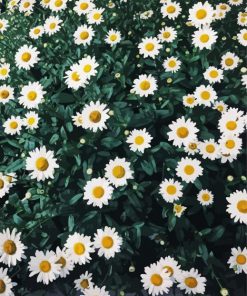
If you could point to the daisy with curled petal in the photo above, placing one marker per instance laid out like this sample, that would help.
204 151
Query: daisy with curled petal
182 131
170 265
242 37
170 190
172 64
213 75
4 71
11 179
168 34
11 247
65 261
4 185
13 125
204 38
57 5
95 16
74 77
108 242
201 14
84 282
95 290
6 285
178 210
189 169
79 247
41 163
6 93
230 144
238 260
52 25
205 95
31 95
44 265
189 101
229 61
145 85
209 149
83 35
205 197
36 32
3 25
149 47
139 140
113 37
192 147
171 9
118 171
192 282
237 206
77 119
83 6
156 280
95 115
98 192
26 57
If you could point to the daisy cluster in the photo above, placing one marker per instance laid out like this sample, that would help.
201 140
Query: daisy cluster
115 116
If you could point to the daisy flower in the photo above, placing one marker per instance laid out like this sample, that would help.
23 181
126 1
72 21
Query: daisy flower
172 64
189 169
108 242
83 6
118 171
156 280
149 47
201 14
4 71
139 140
230 144
192 282
168 34
74 77
242 19
238 260
3 25
220 106
209 149
145 85
88 66
205 95
182 131
31 95
65 261
44 265
26 57
77 119
213 75
178 210
41 163
84 282
192 147
223 7
4 185
36 32
6 285
113 37
205 197
96 291
171 9
235 2
79 248
83 35
232 122
45 3
170 265
189 101
229 61
52 25
204 38
11 247
26 6
6 93
12 5
98 192
57 5
170 190
13 125
95 16
242 37
95 115
237 206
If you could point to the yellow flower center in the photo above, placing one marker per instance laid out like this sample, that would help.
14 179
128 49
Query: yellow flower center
26 56
84 35
3 71
223 7
139 140
36 31
118 171
178 208
13 124
79 248
52 26
58 3
4 94
75 76
210 148
220 108
166 34
156 279
241 259
31 120
171 9
245 36
113 37
61 261
97 16
171 189
231 125
205 197
191 282
26 4
213 74
201 14
95 116
45 266
107 242
192 146
172 64
149 46
189 169
32 95
1 25
169 269
182 132
87 68
84 284
204 38
84 6
1 183
205 95
190 100
242 206
229 61
2 286
145 85
9 247
98 192
230 144
42 164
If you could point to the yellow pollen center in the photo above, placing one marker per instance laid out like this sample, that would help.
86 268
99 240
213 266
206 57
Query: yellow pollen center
84 284
190 100
220 108
98 192
205 95
241 259
26 4
9 247
95 116
1 25
42 164
4 94
1 183
61 261
192 146
31 120
204 38
156 279
4 71
231 125
171 9
189 169
84 6
171 189
206 197
107 242
113 37
52 26
242 206
26 56
79 248
213 74
229 61
32 95
169 269
172 64
75 76
87 68
145 85
97 16
118 171
36 31
14 125
201 14
245 36
182 132
166 34
139 140
58 3
230 144
191 282
149 46
2 286
210 148
45 266
84 35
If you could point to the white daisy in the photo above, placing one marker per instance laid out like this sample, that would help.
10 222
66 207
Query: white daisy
170 265
168 34
36 32
170 190
189 169
118 171
45 3
139 140
242 37
172 64
231 122
95 115
26 6
12 5
108 242
77 119
6 93
95 16
83 35
242 19
52 25
205 197
31 95
6 285
84 282
238 260
230 144
83 6
11 178
4 185
235 2
182 131
229 61
26 57
45 266
88 66
3 25
223 7
213 75
4 71
11 247
74 77
209 149
65 261
237 206
227 157
96 291
201 14
220 106
79 248
145 85
113 37
171 9
98 192
205 95
192 147
192 282
149 47
41 163
204 38
178 210
57 5
189 101
13 125
31 120
156 280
